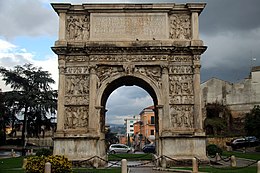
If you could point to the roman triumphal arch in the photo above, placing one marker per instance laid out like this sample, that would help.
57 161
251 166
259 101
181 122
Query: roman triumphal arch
104 46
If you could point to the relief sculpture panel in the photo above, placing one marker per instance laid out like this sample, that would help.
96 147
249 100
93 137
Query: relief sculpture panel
104 72
182 116
153 72
181 89
77 27
77 89
76 117
180 26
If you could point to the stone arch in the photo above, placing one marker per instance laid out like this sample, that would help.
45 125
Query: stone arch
115 82
154 46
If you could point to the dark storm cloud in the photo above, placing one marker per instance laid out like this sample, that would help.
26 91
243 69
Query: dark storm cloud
222 16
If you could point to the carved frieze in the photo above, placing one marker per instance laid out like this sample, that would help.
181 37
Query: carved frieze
77 27
77 70
180 58
76 58
77 85
180 26
127 58
180 70
76 117
182 116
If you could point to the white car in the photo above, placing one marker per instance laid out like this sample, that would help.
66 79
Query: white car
119 148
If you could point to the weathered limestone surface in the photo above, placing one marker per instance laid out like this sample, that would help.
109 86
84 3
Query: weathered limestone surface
104 46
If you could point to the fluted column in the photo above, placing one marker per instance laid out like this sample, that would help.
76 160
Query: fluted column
197 103
61 94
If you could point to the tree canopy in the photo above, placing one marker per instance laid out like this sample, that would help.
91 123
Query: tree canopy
32 95
252 122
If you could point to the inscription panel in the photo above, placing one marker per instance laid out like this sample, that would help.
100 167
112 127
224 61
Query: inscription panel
123 26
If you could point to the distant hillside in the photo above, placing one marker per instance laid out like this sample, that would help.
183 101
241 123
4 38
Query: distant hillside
117 128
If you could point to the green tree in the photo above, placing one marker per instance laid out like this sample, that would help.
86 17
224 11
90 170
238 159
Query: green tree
252 122
110 138
4 118
218 119
35 97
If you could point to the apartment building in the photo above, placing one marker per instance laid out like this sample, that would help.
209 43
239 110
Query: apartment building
129 124
147 119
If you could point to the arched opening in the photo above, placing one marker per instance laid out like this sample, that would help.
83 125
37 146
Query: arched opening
137 138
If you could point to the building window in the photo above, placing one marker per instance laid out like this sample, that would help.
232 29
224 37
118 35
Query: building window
131 130
131 126
152 119
131 121
152 132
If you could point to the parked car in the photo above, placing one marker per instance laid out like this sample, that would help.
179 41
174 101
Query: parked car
119 148
149 148
249 141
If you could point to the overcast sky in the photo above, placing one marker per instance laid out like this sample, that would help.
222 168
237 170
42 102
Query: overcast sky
230 29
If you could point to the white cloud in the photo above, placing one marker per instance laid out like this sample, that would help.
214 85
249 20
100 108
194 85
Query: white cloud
117 119
11 55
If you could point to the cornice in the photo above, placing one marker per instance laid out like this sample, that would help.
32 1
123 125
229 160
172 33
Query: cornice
61 7
196 7
130 7
87 50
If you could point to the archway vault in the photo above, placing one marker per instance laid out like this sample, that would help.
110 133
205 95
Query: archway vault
107 88
154 46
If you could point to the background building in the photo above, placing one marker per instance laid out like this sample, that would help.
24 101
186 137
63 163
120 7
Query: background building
129 124
147 119
239 97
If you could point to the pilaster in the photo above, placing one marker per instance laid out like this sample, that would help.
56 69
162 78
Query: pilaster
61 94
165 98
195 25
62 26
94 116
197 103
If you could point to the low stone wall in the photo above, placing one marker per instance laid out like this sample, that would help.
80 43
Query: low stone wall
219 141
41 142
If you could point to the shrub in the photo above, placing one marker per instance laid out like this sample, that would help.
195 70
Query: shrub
59 164
44 152
212 149
257 149
35 164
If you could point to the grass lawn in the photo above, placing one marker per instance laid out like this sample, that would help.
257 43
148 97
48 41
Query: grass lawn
252 169
11 165
253 156
117 157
